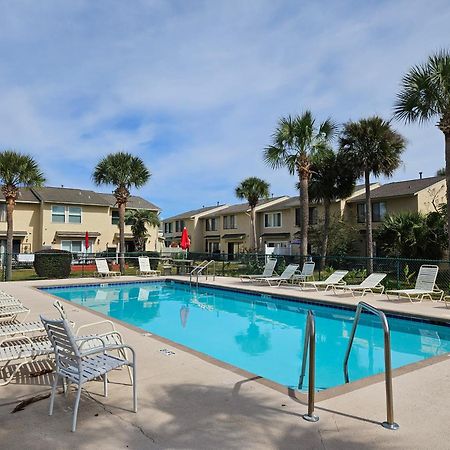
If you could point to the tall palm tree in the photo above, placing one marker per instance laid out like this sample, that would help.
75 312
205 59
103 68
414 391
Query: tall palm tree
295 140
253 189
424 96
331 179
16 170
371 146
140 219
124 171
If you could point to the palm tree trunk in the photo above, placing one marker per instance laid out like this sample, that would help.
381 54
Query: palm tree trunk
326 230
253 226
10 203
121 207
368 223
447 179
304 212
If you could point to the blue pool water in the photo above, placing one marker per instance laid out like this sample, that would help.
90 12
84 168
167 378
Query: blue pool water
261 334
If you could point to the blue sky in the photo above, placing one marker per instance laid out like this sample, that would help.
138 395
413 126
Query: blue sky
196 87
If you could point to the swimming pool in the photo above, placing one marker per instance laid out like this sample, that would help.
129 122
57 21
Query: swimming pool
258 333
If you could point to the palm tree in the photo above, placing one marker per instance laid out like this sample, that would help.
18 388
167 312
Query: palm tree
295 140
124 171
371 146
16 170
331 179
140 219
253 189
425 95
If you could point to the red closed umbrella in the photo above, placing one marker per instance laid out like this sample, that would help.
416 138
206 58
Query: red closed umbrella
86 241
185 241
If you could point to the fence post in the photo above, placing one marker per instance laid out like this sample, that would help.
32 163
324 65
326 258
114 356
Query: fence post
398 273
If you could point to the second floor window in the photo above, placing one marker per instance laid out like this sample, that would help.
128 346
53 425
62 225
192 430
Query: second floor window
66 214
229 222
272 220
168 227
313 217
211 224
378 212
3 212
179 225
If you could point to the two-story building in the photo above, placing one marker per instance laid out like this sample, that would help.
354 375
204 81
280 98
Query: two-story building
50 217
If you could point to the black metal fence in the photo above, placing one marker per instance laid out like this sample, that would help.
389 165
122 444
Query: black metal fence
401 272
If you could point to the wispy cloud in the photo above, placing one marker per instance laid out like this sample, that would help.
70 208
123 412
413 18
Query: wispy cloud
196 87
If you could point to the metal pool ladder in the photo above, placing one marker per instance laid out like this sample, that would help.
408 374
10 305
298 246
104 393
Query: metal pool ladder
389 423
204 265
310 341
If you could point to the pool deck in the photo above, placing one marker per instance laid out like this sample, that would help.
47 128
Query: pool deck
187 402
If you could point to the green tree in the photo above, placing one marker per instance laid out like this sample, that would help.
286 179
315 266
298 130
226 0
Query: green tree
16 170
440 172
123 171
425 96
413 235
253 189
331 179
295 140
371 147
140 220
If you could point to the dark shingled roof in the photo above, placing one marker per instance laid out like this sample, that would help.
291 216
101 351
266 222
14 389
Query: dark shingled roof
134 202
25 195
68 195
238 208
193 212
399 189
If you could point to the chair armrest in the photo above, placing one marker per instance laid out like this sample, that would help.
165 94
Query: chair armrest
109 347
85 339
81 327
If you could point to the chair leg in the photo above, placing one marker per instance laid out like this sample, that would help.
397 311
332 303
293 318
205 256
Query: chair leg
52 397
105 385
75 408
134 388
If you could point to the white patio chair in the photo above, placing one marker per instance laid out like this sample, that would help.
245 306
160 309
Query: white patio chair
285 277
77 365
145 269
307 272
103 269
12 311
425 286
20 328
371 284
336 278
267 272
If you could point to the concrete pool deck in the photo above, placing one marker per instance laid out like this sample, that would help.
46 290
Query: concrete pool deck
187 402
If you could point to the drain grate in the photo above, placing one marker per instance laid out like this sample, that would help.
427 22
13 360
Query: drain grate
167 352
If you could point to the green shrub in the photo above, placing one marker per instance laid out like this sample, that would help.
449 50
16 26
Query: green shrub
52 263
153 262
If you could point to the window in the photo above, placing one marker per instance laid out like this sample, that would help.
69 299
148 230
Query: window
115 217
212 247
272 220
378 212
3 212
179 225
229 222
211 224
66 214
313 215
168 227
72 246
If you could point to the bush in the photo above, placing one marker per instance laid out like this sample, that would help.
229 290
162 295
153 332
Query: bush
153 262
52 263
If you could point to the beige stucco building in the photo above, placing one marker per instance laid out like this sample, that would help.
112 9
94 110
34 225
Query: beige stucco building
59 218
226 228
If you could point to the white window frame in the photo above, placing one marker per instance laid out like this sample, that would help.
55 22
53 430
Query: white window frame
67 213
71 241
229 222
270 223
2 212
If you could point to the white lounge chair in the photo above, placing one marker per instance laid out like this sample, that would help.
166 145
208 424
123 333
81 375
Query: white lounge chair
77 365
371 284
20 328
10 312
425 286
335 279
9 301
307 272
103 269
267 272
145 269
285 277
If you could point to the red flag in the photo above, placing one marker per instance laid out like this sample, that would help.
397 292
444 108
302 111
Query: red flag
185 241
86 241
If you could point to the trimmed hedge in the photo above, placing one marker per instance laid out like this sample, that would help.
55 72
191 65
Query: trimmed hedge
52 263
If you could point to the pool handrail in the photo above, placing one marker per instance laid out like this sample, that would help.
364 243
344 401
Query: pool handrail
390 424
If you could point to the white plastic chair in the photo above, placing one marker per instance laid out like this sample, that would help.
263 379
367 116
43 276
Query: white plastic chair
267 272
336 278
145 268
76 365
371 284
307 272
103 269
286 276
